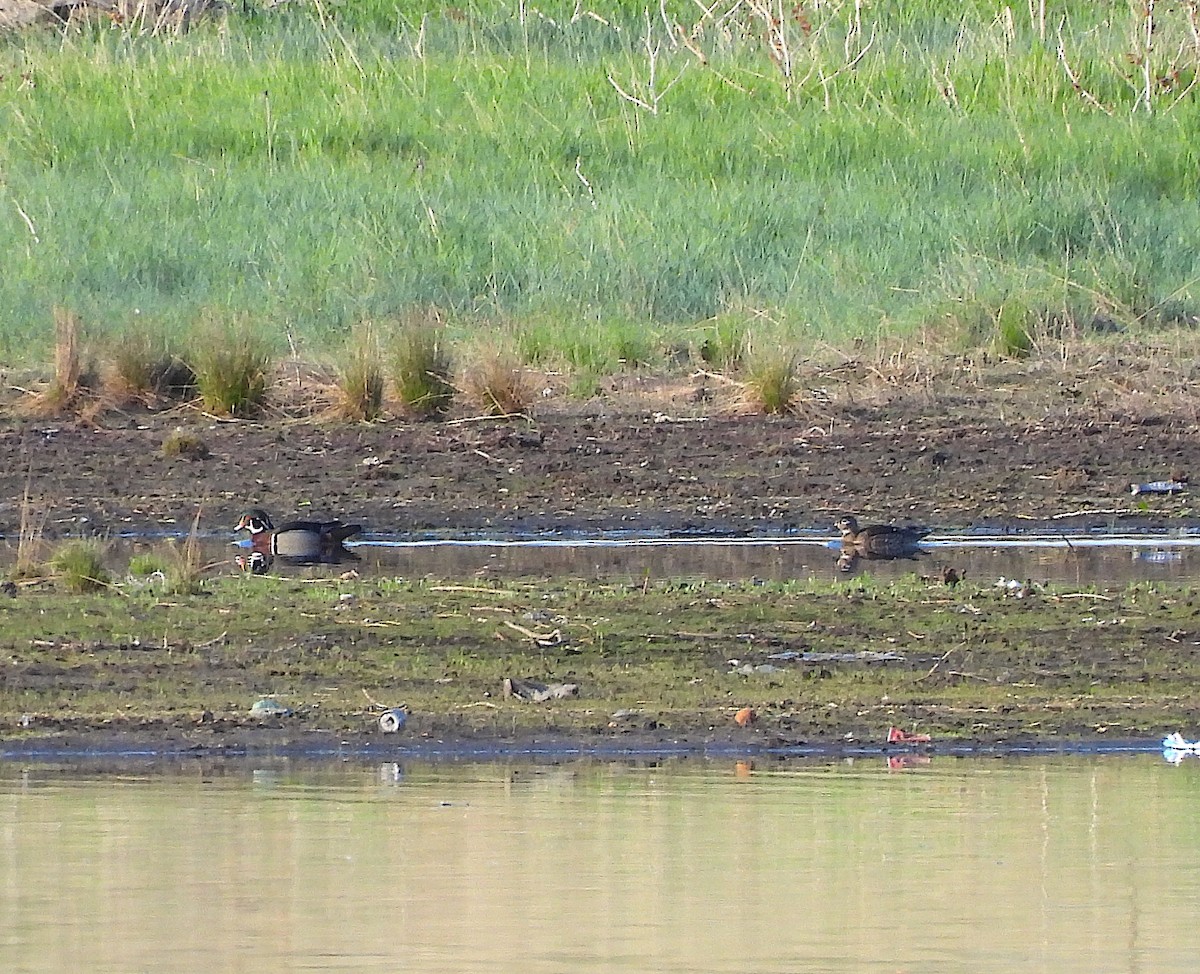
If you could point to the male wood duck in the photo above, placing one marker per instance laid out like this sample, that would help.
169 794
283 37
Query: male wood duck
878 540
300 540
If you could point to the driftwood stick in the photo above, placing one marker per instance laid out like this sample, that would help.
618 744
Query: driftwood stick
933 669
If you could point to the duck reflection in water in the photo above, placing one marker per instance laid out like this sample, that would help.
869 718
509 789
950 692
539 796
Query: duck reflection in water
258 563
875 542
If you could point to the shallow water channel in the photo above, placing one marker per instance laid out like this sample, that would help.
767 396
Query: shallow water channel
1080 560
1073 557
1049 864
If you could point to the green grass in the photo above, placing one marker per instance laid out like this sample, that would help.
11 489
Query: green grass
772 383
361 378
315 166
232 363
78 566
421 366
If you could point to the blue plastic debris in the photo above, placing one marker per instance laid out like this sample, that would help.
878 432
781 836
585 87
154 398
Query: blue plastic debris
1159 487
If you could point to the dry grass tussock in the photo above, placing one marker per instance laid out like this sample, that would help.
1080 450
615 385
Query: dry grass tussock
31 543
495 382
1065 372
1095 378
88 378
186 567
73 386
772 384
140 370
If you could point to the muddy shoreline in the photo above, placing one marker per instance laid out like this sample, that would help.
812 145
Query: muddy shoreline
655 455
117 748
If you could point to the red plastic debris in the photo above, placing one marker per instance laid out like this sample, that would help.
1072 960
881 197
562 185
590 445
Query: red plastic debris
898 736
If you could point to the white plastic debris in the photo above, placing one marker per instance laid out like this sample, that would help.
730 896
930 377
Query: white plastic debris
1177 742
393 721
269 707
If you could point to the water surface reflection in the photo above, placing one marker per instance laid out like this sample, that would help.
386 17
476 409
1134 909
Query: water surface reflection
730 560
1053 865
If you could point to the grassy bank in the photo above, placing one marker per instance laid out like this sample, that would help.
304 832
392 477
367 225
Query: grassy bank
815 660
587 178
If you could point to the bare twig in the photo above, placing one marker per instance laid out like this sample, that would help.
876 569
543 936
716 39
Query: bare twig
1072 77
933 669
552 638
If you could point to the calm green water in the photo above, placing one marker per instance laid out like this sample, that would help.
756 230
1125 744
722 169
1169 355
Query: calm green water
1035 865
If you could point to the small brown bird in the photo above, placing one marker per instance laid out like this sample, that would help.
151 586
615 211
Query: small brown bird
879 540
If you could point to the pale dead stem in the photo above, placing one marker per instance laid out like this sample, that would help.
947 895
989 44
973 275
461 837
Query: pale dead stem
1073 78
650 90
786 30
1151 84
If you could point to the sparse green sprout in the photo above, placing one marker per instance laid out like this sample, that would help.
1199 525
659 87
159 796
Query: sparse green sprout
183 444
79 566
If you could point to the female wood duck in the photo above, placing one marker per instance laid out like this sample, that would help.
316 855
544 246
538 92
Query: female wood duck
878 540
300 540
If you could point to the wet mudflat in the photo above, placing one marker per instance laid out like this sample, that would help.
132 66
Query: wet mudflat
655 456
1091 641
678 865
675 664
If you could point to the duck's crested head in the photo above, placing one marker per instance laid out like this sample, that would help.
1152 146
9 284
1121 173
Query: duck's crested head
847 525
254 521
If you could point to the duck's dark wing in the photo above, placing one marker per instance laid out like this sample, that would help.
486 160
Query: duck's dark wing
338 532
335 532
889 541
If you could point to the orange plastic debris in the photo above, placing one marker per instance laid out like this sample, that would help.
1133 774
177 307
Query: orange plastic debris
898 736
744 717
